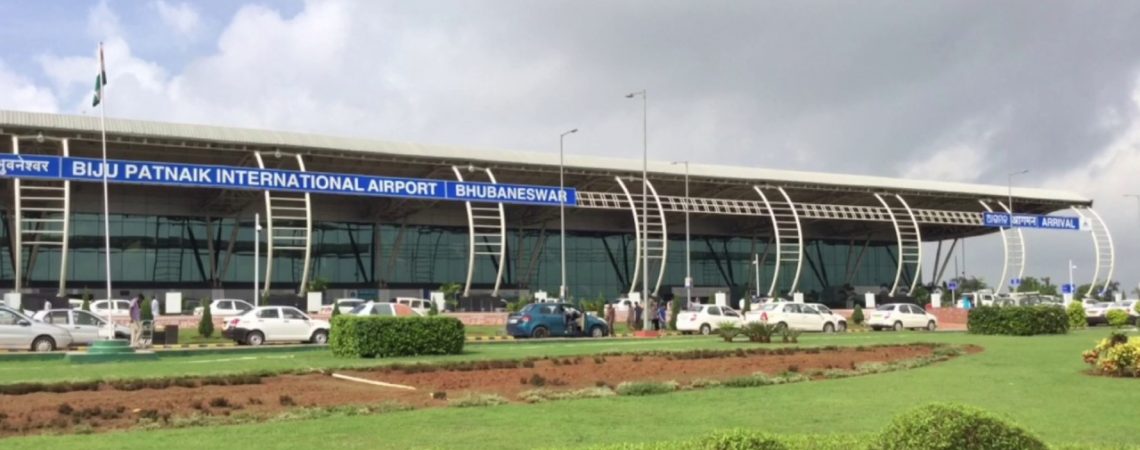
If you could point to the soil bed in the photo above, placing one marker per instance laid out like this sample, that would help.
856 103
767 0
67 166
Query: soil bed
109 408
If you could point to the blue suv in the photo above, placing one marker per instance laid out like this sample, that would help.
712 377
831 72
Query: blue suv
540 320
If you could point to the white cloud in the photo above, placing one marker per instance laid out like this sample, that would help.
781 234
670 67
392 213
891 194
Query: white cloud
22 94
181 17
102 22
959 162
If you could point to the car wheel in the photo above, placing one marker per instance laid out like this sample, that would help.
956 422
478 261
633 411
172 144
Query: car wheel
931 326
828 328
255 338
597 331
842 328
781 327
320 337
876 329
540 332
898 326
43 344
706 329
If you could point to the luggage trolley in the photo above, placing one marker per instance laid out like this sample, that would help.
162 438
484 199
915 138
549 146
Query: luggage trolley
146 334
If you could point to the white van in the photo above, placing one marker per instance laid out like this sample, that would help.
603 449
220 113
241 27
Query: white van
419 305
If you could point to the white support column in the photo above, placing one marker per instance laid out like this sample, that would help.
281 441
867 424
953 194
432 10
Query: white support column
489 222
288 227
789 236
1003 283
909 238
1102 245
1017 251
655 232
42 218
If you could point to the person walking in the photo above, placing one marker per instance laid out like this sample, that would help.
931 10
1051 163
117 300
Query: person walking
610 313
662 317
136 320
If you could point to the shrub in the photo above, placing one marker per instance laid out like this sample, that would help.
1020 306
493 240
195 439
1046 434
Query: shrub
759 331
144 310
1017 320
1115 355
1117 318
375 336
728 331
953 427
472 400
543 395
1076 313
857 315
741 440
645 388
434 310
206 323
789 335
678 304
335 310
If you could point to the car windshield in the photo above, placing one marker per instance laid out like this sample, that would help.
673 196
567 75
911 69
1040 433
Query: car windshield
359 308
529 308
769 306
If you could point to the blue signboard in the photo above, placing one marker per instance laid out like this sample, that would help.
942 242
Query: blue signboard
231 177
1066 288
953 286
992 219
1015 282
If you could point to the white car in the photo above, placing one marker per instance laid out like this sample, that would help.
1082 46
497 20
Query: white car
706 318
384 309
116 307
1097 312
83 326
275 324
796 316
21 332
899 316
226 307
839 321
418 305
346 305
75 303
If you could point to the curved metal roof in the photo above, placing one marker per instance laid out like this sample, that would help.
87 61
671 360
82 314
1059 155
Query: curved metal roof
11 120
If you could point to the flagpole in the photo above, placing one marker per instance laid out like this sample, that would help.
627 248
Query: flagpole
106 202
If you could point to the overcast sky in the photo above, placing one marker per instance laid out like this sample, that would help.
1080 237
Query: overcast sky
955 91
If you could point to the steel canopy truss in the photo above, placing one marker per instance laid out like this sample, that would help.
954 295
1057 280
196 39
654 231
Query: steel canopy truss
651 232
487 232
1102 244
1013 244
289 221
909 238
43 218
814 211
787 233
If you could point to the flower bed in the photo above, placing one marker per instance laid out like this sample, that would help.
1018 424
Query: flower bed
1116 355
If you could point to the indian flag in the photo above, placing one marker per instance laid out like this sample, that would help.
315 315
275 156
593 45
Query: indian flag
100 79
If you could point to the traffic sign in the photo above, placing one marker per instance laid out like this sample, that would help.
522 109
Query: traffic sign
1015 282
1066 288
953 286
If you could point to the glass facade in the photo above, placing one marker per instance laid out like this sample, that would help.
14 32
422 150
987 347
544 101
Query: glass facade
175 252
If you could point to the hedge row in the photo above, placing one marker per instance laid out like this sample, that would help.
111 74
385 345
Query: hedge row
371 337
1018 320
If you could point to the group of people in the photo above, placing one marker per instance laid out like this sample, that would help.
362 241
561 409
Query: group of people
635 317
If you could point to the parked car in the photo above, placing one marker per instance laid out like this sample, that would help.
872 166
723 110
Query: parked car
226 307
1096 313
83 326
345 305
897 316
623 304
117 307
75 303
706 318
796 316
420 305
541 320
22 332
384 309
275 324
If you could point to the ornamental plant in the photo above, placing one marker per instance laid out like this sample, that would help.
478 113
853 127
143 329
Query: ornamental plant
206 322
1076 313
728 331
857 315
1117 318
1116 355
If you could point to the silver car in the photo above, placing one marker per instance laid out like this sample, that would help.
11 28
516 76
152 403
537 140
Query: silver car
83 326
20 331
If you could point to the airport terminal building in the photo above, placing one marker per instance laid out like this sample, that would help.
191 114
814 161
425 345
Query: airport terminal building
376 218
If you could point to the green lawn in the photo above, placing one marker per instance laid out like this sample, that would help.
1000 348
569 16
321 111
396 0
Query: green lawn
1037 382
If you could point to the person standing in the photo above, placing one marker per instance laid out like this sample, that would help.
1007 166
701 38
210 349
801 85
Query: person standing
662 317
136 320
154 312
637 310
610 313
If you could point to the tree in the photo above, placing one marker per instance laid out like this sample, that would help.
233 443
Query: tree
970 284
857 315
144 310
451 295
206 323
86 300
678 303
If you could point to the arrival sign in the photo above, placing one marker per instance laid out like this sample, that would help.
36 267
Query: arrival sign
1003 220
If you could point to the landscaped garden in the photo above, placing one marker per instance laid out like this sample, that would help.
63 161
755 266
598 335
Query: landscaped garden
841 390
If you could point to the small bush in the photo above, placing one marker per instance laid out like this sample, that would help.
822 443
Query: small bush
759 331
741 440
1116 355
754 380
473 400
728 331
1018 320
206 322
790 336
544 395
857 315
1076 315
286 400
1117 318
372 336
645 388
953 427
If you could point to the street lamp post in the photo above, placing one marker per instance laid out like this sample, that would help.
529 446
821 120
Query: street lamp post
644 202
562 290
1010 185
256 257
688 258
